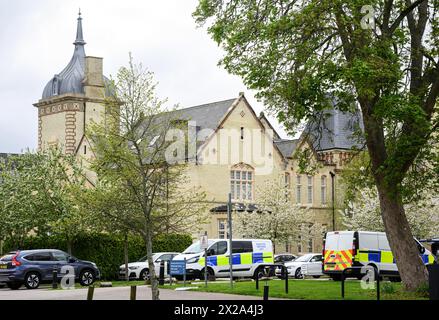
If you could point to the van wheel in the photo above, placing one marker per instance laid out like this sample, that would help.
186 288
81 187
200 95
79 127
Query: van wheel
259 273
336 277
210 274
395 279
316 277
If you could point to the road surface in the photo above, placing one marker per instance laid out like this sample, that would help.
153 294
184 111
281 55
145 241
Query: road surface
117 293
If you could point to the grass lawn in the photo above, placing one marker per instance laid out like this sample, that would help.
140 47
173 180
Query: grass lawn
310 290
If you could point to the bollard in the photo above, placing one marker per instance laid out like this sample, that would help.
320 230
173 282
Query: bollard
433 278
285 271
133 294
90 292
266 288
55 279
162 273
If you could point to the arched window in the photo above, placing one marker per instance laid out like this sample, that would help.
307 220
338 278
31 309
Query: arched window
323 190
242 182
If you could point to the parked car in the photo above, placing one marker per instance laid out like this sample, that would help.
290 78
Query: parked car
3 258
284 257
33 267
309 264
140 270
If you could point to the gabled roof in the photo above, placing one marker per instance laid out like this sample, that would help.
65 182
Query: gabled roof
206 116
287 147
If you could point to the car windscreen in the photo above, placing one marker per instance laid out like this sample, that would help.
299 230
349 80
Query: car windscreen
195 247
304 258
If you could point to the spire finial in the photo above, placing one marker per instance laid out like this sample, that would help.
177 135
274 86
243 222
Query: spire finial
79 36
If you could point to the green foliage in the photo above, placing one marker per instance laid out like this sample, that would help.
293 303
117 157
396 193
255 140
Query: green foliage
106 250
38 193
388 288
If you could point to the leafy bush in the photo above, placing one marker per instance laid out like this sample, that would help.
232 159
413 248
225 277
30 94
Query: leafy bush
106 250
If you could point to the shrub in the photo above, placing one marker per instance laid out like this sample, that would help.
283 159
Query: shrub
106 250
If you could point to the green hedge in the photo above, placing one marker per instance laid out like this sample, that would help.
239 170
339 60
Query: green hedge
107 251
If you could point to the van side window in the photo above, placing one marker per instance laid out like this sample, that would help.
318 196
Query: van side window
218 248
242 246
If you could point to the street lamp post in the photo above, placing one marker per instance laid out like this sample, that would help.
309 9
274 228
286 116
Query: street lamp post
333 198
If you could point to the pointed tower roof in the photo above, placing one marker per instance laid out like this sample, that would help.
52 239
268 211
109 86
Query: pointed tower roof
70 79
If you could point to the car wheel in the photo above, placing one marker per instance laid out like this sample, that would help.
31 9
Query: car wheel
298 274
144 275
86 278
32 280
14 285
316 277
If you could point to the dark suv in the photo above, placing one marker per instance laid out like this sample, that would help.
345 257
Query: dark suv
33 267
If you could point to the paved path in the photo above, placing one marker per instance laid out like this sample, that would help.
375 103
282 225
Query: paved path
117 293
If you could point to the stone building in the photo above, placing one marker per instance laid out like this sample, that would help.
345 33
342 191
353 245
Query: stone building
74 98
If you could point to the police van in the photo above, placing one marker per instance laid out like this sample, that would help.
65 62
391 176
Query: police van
344 249
248 255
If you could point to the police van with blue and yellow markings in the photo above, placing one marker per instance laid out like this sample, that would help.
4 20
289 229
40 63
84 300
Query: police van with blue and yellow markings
345 249
248 255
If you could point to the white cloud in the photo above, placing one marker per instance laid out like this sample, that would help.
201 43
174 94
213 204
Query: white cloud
36 42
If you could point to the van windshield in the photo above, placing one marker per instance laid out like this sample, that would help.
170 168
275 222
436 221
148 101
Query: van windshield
195 247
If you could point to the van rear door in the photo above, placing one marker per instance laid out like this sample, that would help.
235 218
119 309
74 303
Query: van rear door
338 251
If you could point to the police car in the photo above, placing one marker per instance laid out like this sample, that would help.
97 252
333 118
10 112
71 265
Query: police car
248 255
345 249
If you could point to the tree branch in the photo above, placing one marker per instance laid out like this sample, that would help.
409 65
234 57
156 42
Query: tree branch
403 14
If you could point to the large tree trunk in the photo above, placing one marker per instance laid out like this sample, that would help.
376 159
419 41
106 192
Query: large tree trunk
69 246
154 281
411 268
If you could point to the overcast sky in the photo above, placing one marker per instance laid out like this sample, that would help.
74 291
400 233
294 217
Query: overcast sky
36 42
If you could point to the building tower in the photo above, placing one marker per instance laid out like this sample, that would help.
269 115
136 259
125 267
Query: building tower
72 100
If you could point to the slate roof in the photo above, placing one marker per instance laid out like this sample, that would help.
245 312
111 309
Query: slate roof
287 147
206 116
334 129
70 79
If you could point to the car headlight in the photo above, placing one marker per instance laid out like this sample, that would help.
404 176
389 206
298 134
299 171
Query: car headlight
94 264
133 268
193 260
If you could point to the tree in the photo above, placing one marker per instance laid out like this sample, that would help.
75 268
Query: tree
39 195
276 217
380 55
364 214
131 148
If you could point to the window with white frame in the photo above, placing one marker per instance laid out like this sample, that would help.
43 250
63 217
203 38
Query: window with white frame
299 189
222 228
299 244
310 189
241 182
323 190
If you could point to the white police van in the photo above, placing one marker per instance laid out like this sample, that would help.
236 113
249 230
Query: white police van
248 255
346 249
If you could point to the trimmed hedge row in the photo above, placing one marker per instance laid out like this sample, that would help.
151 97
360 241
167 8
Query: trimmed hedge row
107 251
